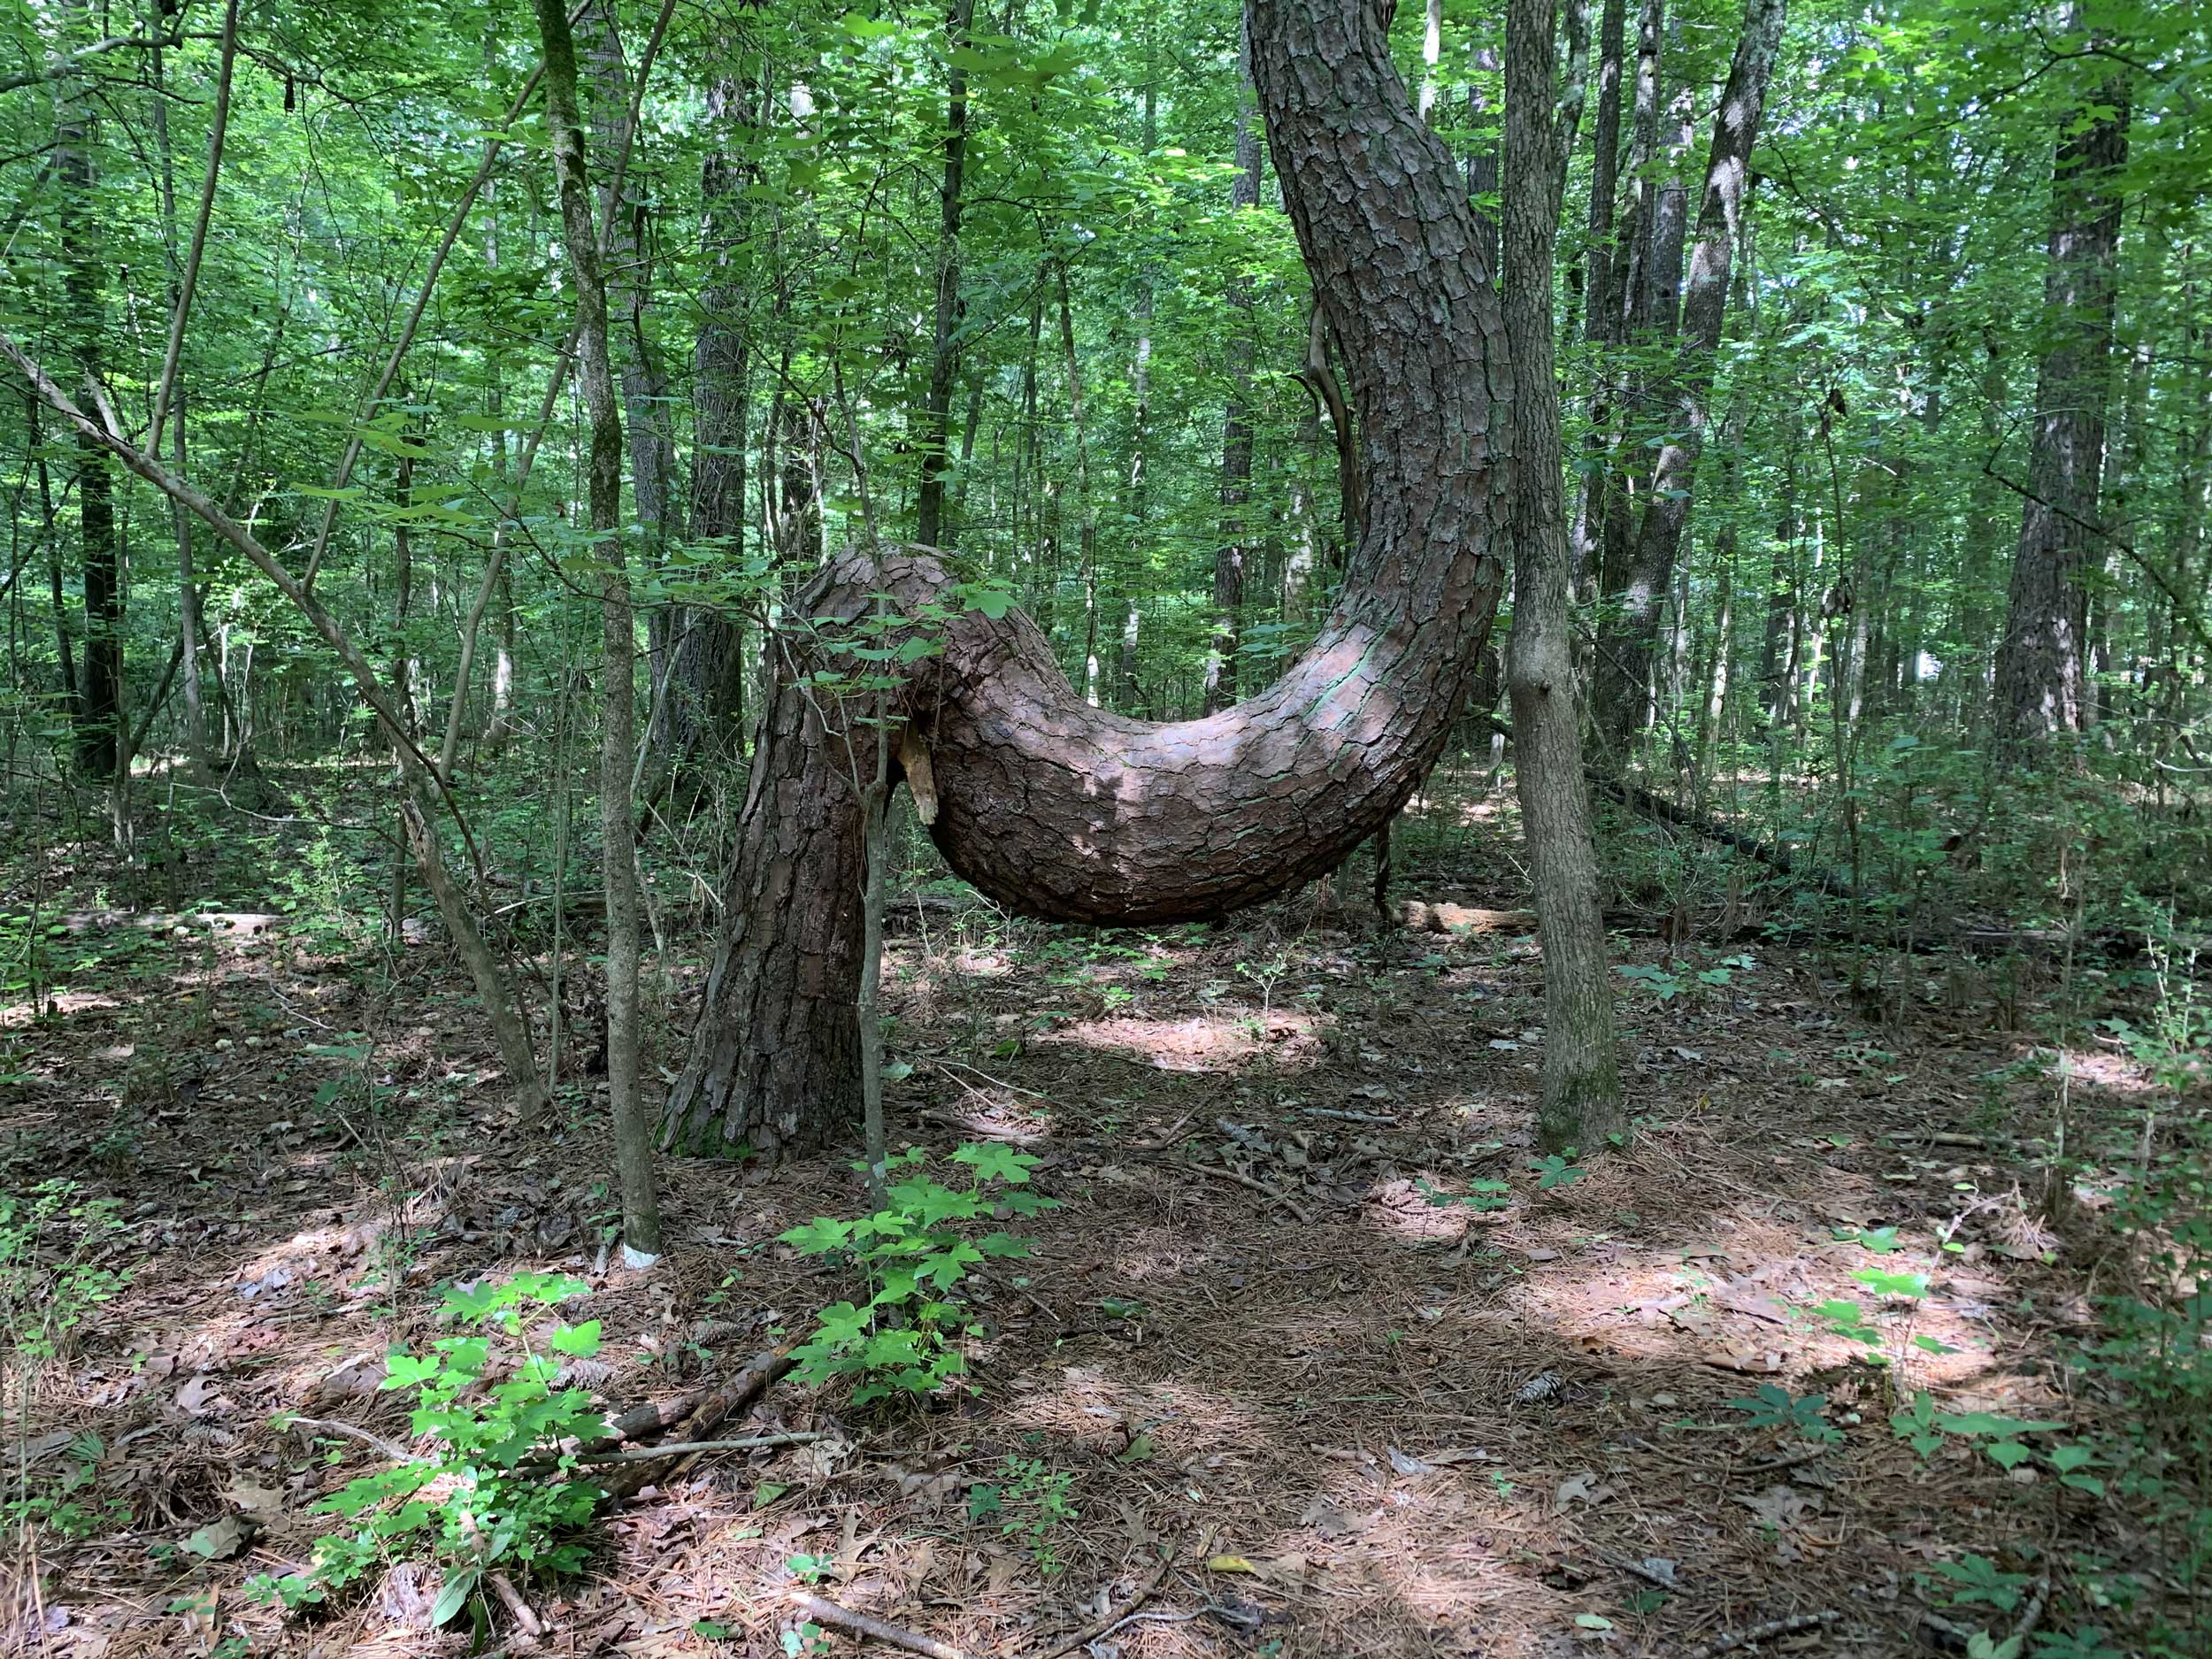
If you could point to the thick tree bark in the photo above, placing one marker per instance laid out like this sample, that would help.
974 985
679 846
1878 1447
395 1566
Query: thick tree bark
1629 627
1062 811
1582 1085
595 374
2042 688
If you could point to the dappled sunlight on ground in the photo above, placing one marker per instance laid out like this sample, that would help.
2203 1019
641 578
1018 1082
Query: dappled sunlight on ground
1404 1428
1202 1042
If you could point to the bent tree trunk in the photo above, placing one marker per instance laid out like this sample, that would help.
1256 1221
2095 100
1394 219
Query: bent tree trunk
1064 811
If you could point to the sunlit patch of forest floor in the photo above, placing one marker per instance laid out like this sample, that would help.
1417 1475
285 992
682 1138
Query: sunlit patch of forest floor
1314 1318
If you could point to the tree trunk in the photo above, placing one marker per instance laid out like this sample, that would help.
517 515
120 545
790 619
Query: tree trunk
595 374
1630 624
1601 302
1236 447
707 688
98 704
1062 810
944 361
2041 677
1581 1079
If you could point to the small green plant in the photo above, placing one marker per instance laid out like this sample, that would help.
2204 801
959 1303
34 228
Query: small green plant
1031 1504
1663 983
1479 1195
915 1252
1976 1579
1557 1169
51 1280
1774 1407
64 1502
1921 1426
497 1489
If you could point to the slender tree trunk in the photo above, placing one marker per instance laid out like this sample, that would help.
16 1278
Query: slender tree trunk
99 695
944 361
633 1134
1064 810
2041 676
1601 302
1236 446
1581 1089
708 679
1629 628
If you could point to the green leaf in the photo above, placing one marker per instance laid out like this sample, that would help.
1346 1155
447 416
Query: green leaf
460 1584
1989 1423
2008 1453
994 1161
581 1341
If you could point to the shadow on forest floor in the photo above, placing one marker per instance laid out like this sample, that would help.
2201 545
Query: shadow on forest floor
1422 1429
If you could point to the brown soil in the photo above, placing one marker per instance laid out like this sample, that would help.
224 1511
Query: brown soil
1396 1425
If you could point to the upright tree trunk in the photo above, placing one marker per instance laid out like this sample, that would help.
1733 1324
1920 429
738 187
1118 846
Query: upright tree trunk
944 361
2041 677
1582 1090
1060 810
1629 628
707 685
99 697
595 374
1230 553
1602 296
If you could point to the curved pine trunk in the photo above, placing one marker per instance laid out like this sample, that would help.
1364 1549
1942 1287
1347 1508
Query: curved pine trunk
1064 811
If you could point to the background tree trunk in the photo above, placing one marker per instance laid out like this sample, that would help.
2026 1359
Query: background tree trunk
595 374
1629 628
1582 1087
2042 687
1236 448
1060 810
936 434
98 702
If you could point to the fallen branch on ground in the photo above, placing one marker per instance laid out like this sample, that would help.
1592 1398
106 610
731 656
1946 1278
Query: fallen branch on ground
392 1449
761 1373
1275 1193
1728 1641
692 1448
867 1624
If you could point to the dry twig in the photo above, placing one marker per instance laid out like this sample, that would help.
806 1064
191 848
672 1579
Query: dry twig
687 1448
867 1624
392 1449
1728 1641
1275 1193
1102 1627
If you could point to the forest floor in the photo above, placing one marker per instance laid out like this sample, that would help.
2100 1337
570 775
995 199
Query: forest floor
1363 1418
